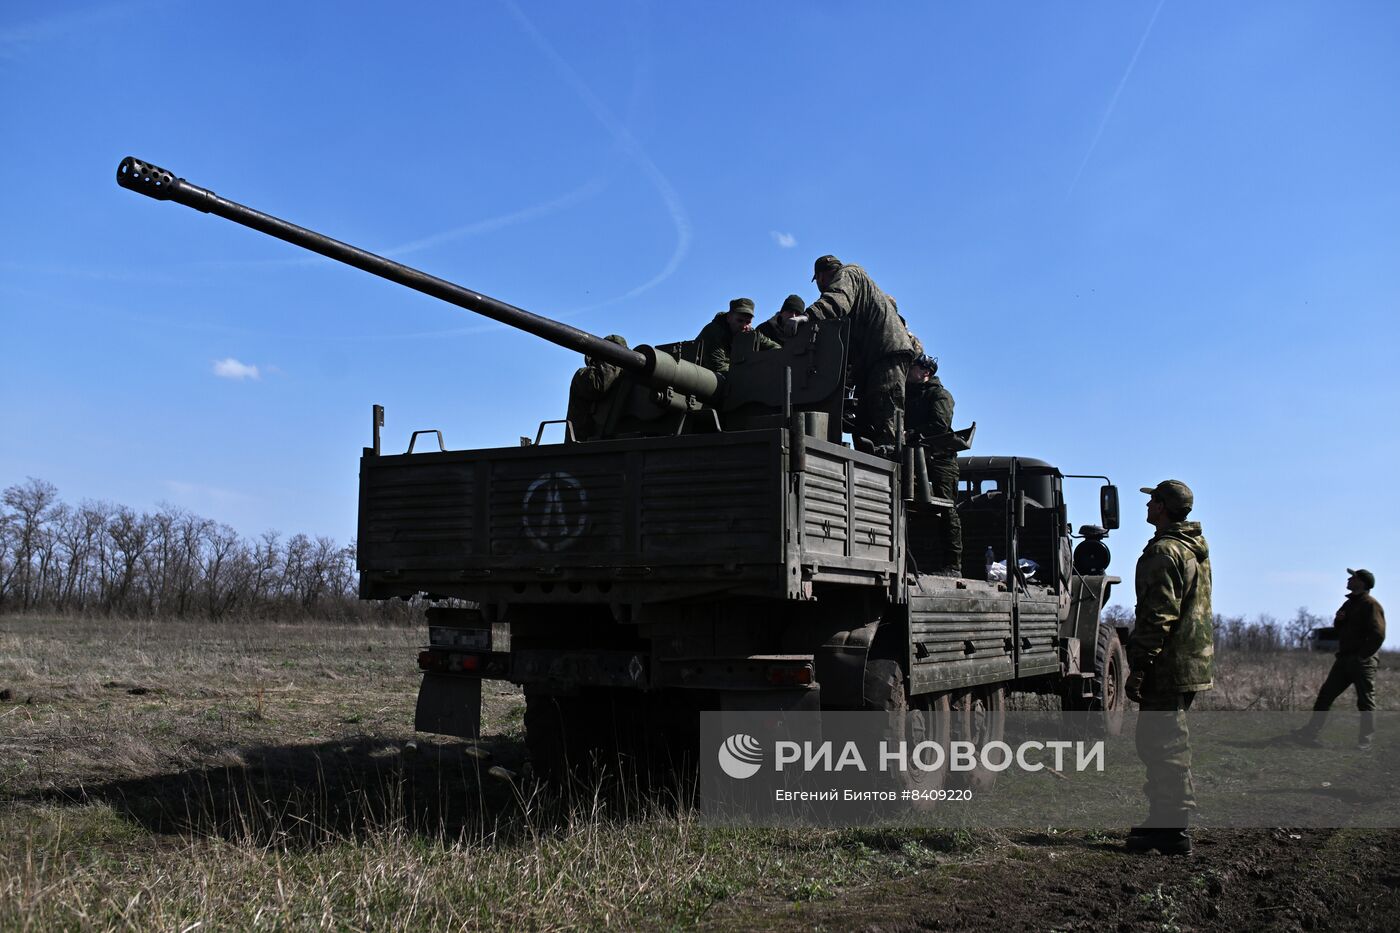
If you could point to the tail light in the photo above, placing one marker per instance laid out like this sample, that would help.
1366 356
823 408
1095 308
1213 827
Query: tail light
786 675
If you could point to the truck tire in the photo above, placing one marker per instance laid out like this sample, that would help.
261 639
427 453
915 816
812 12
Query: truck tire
612 733
1110 678
561 736
1110 686
979 716
925 719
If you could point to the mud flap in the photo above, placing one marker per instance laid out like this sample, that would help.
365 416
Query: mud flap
840 671
449 705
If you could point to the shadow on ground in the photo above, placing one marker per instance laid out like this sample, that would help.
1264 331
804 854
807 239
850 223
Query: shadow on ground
309 795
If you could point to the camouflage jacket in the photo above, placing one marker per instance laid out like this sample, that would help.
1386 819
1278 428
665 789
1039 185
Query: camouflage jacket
716 343
1360 626
928 409
772 329
1173 636
876 328
586 390
590 383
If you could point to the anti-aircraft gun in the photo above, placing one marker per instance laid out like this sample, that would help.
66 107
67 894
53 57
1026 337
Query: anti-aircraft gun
717 547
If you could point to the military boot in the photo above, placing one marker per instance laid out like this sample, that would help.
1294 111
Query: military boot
1166 841
1305 737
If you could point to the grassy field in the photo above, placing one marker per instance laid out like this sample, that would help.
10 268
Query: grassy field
182 776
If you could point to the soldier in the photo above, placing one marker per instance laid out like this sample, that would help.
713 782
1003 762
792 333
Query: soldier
1170 653
880 350
914 342
783 325
590 383
717 337
1360 633
929 414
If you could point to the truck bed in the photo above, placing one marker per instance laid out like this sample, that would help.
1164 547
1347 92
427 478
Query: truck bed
656 518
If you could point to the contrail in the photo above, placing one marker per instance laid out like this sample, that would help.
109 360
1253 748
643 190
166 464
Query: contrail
582 193
629 146
588 189
1122 82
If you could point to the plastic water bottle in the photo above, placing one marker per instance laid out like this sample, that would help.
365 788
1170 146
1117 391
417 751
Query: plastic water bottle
991 559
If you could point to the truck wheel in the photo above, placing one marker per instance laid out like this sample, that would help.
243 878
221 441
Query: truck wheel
930 721
1114 677
979 717
925 720
1110 677
560 736
657 736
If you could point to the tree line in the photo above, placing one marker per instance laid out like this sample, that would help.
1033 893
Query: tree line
1239 633
100 558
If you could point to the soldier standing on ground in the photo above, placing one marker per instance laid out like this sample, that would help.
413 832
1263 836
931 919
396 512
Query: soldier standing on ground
929 414
590 383
717 338
783 325
880 351
1360 627
1170 653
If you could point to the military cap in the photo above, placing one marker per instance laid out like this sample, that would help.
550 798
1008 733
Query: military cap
617 339
793 304
927 362
1172 493
826 263
1365 576
741 305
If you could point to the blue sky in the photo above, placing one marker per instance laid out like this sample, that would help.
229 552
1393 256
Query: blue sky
1145 239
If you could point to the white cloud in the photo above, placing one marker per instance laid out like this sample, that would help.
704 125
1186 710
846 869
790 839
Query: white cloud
785 240
231 368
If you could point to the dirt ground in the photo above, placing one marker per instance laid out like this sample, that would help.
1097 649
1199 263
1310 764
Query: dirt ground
158 776
1235 880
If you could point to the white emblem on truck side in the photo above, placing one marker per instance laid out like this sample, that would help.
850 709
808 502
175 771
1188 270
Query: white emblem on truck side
554 511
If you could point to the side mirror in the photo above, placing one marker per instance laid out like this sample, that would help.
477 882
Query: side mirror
1108 506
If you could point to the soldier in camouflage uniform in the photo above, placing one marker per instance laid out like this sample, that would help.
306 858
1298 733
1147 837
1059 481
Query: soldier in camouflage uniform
783 325
1360 627
590 383
929 414
1170 652
880 351
717 337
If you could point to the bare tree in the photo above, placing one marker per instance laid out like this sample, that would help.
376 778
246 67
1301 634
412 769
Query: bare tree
1298 628
30 505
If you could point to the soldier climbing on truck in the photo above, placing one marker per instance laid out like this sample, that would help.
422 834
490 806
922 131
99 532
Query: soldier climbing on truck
880 350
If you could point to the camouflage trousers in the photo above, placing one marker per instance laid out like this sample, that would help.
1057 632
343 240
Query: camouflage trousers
943 476
1164 747
1348 671
880 389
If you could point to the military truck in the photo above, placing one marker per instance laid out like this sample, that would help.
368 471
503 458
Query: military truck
718 545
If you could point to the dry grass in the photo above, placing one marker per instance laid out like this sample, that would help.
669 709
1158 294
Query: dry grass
167 775
1283 680
173 775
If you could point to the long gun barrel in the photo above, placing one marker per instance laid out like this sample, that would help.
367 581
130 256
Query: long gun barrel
658 369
